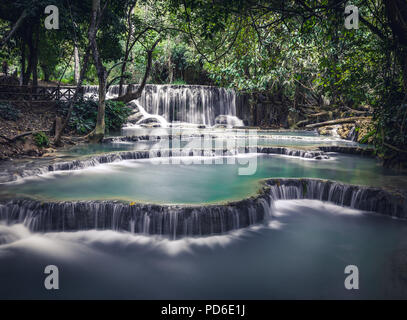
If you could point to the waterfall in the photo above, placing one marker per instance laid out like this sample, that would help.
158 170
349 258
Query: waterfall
366 151
144 116
173 221
228 121
353 134
358 197
155 153
183 103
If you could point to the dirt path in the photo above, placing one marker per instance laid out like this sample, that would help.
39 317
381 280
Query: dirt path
29 117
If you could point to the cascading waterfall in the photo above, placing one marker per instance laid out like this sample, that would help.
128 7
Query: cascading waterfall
366 151
184 103
157 153
353 134
145 116
167 220
177 221
358 197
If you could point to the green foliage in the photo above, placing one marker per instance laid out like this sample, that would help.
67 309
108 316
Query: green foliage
116 114
8 112
297 49
50 53
390 117
84 114
314 57
179 82
83 117
41 139
112 31
365 139
176 62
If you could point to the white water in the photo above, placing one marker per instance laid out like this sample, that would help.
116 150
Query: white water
147 116
300 254
229 121
186 103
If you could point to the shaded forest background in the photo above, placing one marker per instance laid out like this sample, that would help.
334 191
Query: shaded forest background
293 58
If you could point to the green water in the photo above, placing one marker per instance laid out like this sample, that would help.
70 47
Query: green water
299 140
150 180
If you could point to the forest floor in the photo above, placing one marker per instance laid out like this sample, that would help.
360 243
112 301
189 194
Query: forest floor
31 117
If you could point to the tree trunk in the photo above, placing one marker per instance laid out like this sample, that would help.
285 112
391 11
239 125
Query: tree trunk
91 36
123 70
34 66
58 134
128 47
46 72
129 95
15 28
100 121
27 72
22 75
76 65
337 121
99 132
169 63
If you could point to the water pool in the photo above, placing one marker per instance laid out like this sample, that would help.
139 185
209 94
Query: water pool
192 138
299 253
151 180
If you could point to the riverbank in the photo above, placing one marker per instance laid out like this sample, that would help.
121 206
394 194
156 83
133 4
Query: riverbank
20 118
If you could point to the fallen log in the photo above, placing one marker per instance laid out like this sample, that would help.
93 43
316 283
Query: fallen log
301 123
26 134
319 114
337 121
367 110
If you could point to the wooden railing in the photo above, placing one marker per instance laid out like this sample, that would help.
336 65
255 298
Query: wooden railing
30 93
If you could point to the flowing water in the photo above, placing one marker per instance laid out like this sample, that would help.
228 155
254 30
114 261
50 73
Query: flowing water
300 254
185 103
259 248
192 137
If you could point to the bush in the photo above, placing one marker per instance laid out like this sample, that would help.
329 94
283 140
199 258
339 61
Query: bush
8 112
390 136
41 139
83 117
116 114
84 114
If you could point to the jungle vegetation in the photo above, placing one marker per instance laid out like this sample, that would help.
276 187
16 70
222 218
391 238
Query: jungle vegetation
298 48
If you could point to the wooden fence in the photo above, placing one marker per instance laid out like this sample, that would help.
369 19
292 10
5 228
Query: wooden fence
30 93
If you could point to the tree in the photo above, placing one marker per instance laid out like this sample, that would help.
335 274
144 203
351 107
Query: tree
302 46
97 12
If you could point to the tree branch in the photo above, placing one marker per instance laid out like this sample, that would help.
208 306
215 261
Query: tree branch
129 96
15 28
